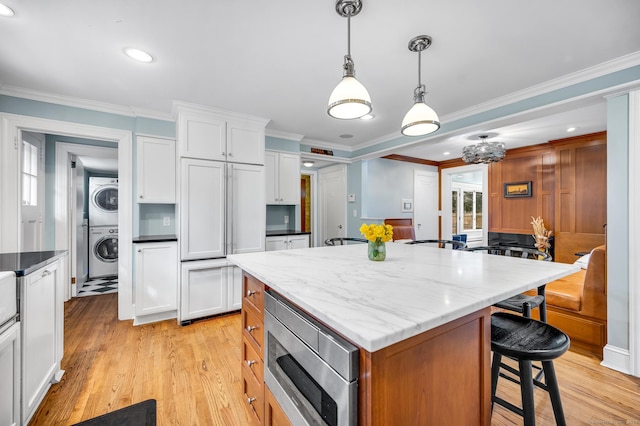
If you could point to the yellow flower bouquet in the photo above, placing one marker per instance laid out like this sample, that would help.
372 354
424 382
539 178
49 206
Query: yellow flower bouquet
377 234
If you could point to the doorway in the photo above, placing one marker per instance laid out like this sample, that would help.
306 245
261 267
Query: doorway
464 192
13 126
332 199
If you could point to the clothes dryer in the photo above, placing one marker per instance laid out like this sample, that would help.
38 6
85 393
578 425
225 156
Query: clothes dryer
103 256
103 201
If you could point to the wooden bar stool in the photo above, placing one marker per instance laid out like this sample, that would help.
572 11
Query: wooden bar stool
525 340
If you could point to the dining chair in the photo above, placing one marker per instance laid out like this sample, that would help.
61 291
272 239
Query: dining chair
455 245
341 241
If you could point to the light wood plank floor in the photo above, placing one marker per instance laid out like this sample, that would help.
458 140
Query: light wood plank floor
193 372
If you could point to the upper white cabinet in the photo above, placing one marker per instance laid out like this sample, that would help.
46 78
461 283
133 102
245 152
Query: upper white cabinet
156 170
214 135
283 177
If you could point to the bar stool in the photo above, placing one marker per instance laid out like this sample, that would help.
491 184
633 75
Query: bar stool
525 340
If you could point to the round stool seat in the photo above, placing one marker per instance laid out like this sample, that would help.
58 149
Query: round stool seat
525 338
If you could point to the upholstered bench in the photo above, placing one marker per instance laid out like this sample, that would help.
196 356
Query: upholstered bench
577 304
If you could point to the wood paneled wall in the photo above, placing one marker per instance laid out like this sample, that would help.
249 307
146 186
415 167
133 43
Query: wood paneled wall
569 192
581 194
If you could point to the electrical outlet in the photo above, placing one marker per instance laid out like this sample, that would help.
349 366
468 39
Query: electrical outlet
286 220
166 221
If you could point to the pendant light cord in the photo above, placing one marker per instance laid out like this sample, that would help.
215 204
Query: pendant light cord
419 68
349 11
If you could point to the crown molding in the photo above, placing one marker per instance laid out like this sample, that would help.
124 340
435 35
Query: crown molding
609 67
221 113
316 143
283 135
53 98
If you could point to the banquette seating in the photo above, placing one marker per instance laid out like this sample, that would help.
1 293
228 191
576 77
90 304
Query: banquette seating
403 229
577 304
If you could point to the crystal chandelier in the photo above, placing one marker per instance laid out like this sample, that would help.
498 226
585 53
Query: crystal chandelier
483 152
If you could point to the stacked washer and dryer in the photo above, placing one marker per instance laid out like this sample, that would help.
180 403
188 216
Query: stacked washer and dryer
103 227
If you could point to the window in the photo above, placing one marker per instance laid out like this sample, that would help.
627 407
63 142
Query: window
466 210
29 174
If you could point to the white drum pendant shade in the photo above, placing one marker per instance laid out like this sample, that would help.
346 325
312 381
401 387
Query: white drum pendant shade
420 120
349 100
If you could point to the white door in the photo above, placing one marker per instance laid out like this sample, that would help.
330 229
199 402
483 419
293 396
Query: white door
32 184
202 209
333 201
203 288
79 251
246 208
425 204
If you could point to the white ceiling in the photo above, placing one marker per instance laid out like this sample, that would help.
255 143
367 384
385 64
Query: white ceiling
281 60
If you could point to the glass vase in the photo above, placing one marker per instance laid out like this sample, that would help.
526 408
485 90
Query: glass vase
377 251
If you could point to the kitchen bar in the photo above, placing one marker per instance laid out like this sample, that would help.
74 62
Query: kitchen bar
420 319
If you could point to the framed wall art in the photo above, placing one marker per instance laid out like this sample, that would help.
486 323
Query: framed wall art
517 189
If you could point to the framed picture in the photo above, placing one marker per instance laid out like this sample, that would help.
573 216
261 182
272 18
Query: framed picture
517 189
407 205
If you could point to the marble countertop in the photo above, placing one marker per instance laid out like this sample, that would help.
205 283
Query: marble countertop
417 288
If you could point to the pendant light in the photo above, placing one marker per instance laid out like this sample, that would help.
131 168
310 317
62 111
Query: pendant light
421 118
350 98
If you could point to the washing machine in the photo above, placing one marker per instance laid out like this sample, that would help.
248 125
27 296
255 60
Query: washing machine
103 201
103 256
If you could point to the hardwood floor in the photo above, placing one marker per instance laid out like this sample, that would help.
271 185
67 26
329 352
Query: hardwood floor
193 372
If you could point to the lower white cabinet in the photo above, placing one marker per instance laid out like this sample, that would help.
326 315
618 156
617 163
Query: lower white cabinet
156 285
39 321
286 242
209 287
10 373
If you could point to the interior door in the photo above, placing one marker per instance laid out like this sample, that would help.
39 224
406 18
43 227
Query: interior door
425 204
32 184
333 201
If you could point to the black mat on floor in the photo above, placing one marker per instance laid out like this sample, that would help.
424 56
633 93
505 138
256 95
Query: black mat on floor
140 414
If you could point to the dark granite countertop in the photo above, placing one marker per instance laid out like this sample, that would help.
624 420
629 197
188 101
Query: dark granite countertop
154 238
285 232
25 263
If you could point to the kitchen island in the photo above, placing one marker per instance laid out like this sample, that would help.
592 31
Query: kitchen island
421 320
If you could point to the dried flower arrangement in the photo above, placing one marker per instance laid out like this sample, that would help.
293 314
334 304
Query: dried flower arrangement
540 234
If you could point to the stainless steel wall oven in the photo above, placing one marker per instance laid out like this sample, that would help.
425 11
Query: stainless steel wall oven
311 371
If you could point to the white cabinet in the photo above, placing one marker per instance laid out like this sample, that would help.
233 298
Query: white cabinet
247 211
40 329
202 209
10 373
156 285
222 209
156 170
286 242
283 177
209 287
210 135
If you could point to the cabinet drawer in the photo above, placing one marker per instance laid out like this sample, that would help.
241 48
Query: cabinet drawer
273 413
252 327
253 394
253 292
253 360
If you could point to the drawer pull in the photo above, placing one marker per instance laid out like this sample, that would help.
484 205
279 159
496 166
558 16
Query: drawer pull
250 293
250 400
250 328
250 362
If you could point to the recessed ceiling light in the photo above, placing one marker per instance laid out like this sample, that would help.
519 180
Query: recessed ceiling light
446 153
308 163
367 117
6 10
571 129
346 136
138 55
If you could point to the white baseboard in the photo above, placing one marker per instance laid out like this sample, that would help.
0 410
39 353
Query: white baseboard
616 359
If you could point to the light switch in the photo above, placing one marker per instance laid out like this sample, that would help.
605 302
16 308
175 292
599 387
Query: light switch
166 221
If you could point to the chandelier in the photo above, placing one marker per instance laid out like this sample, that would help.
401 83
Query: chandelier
483 152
